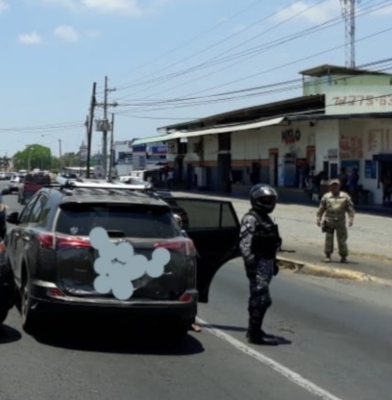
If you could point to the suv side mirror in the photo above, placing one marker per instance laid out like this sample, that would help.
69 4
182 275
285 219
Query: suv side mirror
13 218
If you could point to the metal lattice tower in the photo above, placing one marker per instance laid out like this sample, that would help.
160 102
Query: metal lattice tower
348 11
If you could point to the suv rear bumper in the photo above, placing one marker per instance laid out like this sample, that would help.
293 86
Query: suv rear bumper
44 301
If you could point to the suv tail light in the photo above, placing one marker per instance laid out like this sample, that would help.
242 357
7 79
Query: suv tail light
51 241
185 245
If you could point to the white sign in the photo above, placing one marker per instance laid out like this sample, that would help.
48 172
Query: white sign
139 161
358 100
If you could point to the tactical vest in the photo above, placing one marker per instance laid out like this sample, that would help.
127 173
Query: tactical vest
266 240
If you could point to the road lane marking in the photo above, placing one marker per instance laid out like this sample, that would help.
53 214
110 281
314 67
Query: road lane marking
269 362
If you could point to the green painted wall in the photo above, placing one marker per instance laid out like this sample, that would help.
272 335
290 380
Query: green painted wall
319 85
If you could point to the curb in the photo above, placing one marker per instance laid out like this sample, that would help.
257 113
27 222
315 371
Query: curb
301 267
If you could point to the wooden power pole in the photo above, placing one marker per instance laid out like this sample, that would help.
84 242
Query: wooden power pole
90 129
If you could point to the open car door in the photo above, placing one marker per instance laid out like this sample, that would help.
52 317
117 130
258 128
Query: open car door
214 227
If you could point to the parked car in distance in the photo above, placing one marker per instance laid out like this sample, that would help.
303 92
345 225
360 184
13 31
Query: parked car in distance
144 185
52 259
15 182
31 184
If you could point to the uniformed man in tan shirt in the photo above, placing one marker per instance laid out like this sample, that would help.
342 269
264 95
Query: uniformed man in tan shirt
333 207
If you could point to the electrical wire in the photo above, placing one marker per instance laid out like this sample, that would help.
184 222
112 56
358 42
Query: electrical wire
255 50
274 91
214 27
137 82
300 60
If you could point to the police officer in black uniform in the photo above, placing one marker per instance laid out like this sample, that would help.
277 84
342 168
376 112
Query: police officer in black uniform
259 243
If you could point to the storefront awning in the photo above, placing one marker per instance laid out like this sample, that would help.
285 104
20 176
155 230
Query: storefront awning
158 139
211 131
386 157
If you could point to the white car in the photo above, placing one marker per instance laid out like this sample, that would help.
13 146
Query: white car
15 183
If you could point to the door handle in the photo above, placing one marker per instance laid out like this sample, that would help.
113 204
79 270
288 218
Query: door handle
17 234
26 238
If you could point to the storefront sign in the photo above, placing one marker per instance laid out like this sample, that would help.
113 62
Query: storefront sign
158 150
351 147
290 136
142 148
357 99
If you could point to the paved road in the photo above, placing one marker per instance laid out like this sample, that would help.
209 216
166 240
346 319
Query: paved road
336 335
369 238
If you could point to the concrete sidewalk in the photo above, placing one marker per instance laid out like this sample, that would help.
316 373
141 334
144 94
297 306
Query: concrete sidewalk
297 197
369 242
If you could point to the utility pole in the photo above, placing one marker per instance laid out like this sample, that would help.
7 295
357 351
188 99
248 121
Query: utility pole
90 128
105 126
111 147
105 130
60 155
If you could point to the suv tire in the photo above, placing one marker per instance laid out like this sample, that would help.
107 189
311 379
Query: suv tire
29 320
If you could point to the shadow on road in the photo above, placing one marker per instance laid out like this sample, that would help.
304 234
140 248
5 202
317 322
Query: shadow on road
282 340
118 338
8 334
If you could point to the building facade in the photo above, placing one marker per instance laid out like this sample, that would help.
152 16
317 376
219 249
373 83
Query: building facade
343 120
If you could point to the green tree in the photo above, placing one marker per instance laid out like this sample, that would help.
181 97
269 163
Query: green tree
4 162
36 155
70 160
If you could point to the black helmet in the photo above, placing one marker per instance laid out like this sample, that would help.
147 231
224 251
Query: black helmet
263 198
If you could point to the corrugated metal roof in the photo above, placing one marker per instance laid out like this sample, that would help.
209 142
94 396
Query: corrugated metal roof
212 131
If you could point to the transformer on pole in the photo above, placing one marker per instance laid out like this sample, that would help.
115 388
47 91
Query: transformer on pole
348 11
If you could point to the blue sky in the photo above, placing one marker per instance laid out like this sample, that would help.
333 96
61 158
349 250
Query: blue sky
153 50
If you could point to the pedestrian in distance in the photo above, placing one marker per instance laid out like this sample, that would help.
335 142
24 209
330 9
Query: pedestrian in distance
331 216
259 244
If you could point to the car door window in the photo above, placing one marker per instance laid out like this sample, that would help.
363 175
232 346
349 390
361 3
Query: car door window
36 214
214 227
205 214
24 216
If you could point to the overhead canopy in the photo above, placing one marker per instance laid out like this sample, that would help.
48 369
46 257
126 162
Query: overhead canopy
211 131
322 117
158 139
382 157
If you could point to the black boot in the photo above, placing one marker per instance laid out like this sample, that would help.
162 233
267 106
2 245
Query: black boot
257 336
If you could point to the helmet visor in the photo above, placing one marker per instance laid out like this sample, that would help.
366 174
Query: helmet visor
267 200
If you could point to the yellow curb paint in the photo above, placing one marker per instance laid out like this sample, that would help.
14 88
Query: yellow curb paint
330 272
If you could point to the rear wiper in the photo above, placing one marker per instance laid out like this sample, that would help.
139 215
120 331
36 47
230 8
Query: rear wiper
115 234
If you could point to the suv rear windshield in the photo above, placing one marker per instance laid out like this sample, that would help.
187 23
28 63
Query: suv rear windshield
131 221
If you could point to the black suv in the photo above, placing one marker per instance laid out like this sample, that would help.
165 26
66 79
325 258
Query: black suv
53 260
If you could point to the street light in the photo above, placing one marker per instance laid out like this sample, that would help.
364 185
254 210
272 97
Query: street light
59 148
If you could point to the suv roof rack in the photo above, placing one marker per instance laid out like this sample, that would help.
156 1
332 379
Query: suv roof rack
95 184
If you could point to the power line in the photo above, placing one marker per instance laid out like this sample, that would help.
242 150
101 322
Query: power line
258 50
293 62
265 18
238 13
273 91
